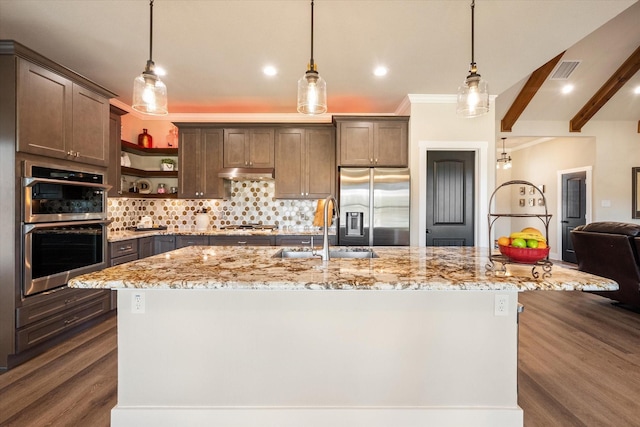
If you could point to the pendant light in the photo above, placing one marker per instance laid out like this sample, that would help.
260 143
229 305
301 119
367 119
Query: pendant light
149 92
312 89
473 95
504 160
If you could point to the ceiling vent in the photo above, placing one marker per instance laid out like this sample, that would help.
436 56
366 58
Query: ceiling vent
564 70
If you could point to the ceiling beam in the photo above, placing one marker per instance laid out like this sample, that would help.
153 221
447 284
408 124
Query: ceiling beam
606 92
527 93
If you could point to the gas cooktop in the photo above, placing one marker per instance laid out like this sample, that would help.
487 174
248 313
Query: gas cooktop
248 227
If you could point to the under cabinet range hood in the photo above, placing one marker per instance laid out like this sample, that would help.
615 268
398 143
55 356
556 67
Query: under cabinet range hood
254 174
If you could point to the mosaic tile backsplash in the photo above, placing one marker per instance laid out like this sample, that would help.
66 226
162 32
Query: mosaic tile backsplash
251 202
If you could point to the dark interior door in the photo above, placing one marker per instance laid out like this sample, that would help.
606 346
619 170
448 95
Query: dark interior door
574 209
450 198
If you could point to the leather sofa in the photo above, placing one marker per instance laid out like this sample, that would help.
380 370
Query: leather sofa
610 249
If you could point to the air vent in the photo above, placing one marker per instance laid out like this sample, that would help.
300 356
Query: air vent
564 70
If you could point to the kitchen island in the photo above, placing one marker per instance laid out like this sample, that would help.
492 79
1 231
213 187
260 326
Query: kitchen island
231 336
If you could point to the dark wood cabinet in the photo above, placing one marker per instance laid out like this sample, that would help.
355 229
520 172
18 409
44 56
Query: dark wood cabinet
247 240
145 247
380 141
114 179
199 161
123 251
305 163
249 148
163 244
59 118
198 240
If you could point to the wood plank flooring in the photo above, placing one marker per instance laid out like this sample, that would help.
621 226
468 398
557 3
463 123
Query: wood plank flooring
579 365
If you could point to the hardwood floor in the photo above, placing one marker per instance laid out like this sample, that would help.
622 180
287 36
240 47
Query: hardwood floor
579 365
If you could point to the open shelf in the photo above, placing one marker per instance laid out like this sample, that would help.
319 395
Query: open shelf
149 195
145 173
142 151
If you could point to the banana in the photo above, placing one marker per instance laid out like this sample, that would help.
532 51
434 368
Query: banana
528 236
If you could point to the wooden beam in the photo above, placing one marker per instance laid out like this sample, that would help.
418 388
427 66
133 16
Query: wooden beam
527 93
606 92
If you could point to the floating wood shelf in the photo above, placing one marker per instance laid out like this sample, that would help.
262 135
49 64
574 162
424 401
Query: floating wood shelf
146 173
149 195
142 151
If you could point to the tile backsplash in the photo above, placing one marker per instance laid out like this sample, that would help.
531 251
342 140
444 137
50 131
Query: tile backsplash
250 202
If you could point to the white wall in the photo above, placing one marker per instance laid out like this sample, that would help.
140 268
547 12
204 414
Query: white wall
434 125
610 149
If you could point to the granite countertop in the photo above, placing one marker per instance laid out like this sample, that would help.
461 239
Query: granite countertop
397 268
118 236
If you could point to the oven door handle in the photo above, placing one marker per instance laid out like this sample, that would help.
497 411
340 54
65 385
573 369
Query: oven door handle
30 182
28 228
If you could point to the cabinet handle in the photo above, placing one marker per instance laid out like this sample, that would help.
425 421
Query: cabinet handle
242 243
306 242
70 300
376 161
250 163
246 163
72 320
77 154
370 160
70 153
125 248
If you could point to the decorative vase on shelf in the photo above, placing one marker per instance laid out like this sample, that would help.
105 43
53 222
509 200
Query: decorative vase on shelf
145 140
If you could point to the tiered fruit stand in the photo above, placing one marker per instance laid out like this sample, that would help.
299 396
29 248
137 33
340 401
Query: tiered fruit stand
497 261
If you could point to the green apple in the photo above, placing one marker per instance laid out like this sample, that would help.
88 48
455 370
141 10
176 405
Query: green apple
518 243
532 243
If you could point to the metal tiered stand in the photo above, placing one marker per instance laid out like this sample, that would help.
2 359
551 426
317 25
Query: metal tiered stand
497 262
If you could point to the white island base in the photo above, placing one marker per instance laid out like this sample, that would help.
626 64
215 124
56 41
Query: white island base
325 358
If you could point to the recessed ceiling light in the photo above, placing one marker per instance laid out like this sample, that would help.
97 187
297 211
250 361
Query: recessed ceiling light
380 71
567 88
637 90
270 70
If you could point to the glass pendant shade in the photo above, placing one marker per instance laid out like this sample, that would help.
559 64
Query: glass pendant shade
149 94
473 96
312 94
504 160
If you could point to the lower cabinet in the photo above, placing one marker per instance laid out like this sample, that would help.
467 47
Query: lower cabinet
123 251
145 247
163 244
182 241
242 240
43 317
303 240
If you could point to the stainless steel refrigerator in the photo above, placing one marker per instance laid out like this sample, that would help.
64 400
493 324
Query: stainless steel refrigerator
374 207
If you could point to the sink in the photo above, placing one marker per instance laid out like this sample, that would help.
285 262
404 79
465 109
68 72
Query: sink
346 252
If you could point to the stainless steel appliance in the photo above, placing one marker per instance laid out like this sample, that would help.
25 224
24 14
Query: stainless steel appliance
374 207
64 225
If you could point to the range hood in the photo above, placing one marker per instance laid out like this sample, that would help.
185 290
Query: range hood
254 174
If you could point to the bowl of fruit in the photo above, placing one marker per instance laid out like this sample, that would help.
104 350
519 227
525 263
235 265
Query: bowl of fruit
527 246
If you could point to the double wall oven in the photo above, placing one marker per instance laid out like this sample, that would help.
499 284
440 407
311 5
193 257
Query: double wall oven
64 225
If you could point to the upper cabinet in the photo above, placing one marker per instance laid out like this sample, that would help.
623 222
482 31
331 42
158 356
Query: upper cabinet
199 160
377 141
305 163
249 148
60 118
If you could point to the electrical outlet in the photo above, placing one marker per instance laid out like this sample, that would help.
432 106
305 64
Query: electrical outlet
501 307
137 302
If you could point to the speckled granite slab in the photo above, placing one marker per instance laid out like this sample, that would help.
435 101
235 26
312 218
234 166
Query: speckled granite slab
118 236
397 268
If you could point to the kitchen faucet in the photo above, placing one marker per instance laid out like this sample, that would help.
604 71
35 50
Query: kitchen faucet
325 231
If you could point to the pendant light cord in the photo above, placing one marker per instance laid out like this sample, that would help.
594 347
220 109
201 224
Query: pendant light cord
311 64
151 30
473 6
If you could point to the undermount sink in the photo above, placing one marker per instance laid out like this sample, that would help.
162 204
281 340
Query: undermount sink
333 253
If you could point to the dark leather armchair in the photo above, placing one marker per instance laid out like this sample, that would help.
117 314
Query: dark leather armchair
610 249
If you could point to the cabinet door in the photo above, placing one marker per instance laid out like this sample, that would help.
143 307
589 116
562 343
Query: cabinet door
90 137
242 240
321 161
113 173
164 244
182 241
290 164
44 111
145 247
212 187
261 150
356 143
189 161
236 145
390 144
